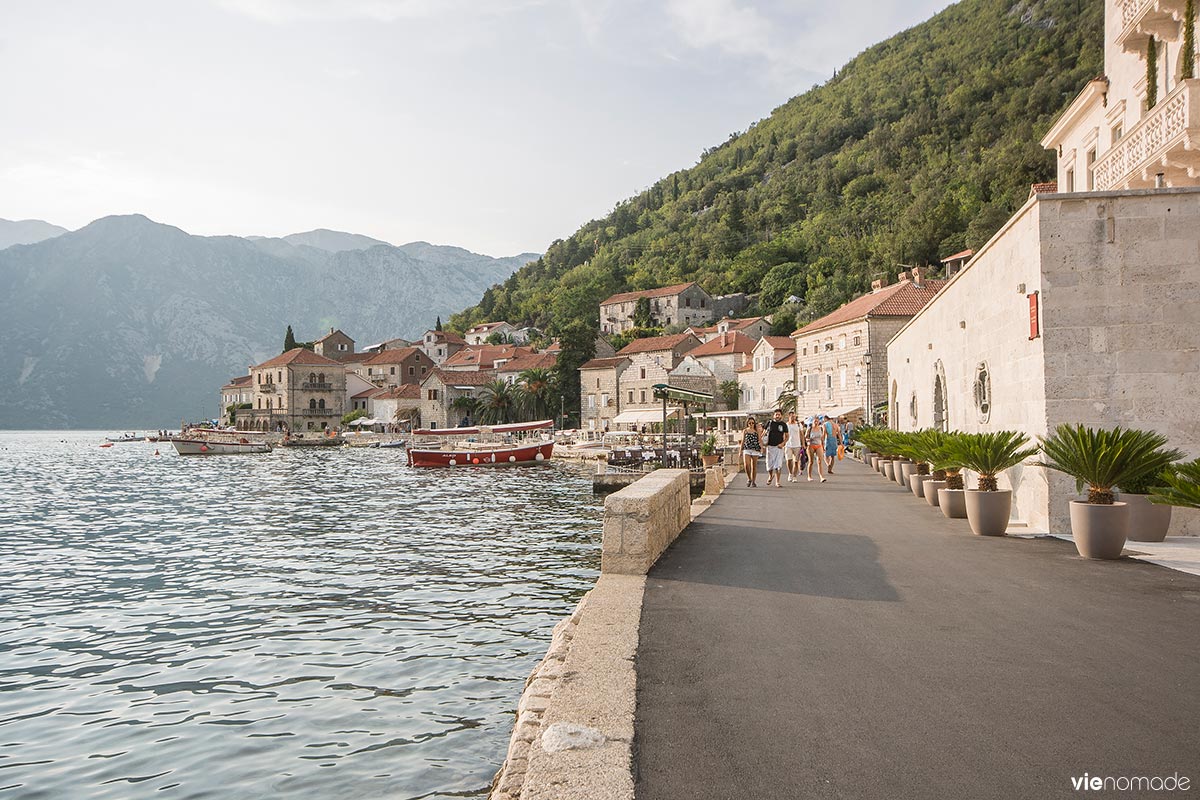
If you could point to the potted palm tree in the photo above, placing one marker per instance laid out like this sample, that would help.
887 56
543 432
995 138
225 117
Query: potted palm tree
988 454
924 449
708 451
1148 522
1182 487
951 497
1102 459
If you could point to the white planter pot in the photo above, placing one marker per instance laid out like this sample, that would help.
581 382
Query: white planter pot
900 476
931 490
1148 522
886 468
953 503
1099 531
988 512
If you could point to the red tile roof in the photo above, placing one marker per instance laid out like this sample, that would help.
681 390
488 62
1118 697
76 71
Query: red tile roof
354 358
298 355
483 356
655 343
238 382
787 360
604 363
450 337
398 356
739 324
406 391
665 291
529 361
780 342
957 256
1043 188
332 333
462 377
903 299
366 393
484 327
727 344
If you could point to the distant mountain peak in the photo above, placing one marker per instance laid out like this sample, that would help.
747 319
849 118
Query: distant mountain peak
27 231
333 241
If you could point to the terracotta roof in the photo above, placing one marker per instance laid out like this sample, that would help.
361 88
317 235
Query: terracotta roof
702 331
366 393
1043 188
450 337
747 368
957 256
298 355
405 391
483 327
726 344
738 324
787 360
462 377
483 356
603 363
654 343
398 356
780 342
665 291
332 333
238 382
903 299
555 347
529 361
354 358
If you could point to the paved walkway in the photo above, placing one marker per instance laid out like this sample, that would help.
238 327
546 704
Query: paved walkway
845 640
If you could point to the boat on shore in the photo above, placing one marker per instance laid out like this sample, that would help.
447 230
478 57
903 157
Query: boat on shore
483 446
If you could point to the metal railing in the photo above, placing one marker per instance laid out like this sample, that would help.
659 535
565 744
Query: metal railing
317 387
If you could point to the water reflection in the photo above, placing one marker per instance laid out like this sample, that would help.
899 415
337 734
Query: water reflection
305 623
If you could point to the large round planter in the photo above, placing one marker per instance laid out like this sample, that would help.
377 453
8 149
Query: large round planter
886 468
903 469
874 461
1099 531
988 512
931 489
1147 522
953 503
917 484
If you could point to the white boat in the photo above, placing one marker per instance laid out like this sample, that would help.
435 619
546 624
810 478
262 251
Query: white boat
215 446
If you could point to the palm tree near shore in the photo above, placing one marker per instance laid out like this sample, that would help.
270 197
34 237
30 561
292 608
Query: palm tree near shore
787 400
729 391
466 405
498 402
537 389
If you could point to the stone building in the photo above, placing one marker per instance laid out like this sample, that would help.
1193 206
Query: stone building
842 358
396 367
239 391
650 362
440 345
724 355
682 304
484 356
297 391
768 375
335 344
442 387
510 370
1082 308
600 388
481 333
397 406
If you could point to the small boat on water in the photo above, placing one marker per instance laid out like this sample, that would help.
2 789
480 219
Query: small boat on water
202 443
128 437
484 446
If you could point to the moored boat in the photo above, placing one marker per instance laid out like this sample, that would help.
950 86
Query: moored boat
482 448
217 445
129 437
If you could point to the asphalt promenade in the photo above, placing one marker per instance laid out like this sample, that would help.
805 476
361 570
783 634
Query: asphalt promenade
845 640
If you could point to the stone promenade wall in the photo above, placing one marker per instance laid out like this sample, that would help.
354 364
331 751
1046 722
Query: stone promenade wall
642 520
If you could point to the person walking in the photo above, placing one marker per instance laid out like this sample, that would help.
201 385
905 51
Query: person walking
833 437
751 449
795 446
777 438
816 448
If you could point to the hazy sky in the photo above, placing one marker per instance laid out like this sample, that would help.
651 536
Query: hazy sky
497 126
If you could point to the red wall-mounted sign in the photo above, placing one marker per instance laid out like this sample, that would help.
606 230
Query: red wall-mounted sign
1034 328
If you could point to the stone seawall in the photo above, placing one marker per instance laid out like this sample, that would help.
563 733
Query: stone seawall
573 736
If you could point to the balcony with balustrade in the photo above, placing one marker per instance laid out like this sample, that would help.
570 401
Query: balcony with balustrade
1165 142
1141 19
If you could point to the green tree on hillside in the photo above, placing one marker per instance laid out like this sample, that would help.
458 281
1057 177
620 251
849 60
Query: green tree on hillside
289 340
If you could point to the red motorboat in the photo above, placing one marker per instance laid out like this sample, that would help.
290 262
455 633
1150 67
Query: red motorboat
483 446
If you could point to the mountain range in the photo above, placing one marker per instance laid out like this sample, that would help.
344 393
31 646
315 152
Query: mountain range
130 323
26 231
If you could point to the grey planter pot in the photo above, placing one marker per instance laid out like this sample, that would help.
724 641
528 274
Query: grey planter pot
931 490
906 471
917 484
1147 522
1099 531
899 475
874 461
953 503
988 512
886 468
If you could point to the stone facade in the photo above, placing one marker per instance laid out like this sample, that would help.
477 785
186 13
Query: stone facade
335 344
1114 276
642 520
441 388
440 345
769 374
297 391
682 304
238 391
600 392
650 362
396 367
479 334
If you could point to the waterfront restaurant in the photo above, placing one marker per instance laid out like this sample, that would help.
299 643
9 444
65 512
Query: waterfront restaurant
1083 308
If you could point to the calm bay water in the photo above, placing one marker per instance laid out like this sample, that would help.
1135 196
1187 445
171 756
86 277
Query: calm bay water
298 624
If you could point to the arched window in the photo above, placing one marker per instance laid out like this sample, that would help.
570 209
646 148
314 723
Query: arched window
321 403
312 403
321 377
312 377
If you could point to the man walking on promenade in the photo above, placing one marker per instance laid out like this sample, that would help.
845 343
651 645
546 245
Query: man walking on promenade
777 436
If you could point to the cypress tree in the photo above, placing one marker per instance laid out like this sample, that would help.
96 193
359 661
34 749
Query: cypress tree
1189 40
289 340
1151 73
438 327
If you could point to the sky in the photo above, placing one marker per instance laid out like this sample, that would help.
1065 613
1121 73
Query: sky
496 126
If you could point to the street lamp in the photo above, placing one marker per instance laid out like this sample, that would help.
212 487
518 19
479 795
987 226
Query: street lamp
870 409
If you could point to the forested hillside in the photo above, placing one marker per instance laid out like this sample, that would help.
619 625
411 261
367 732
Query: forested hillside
919 147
